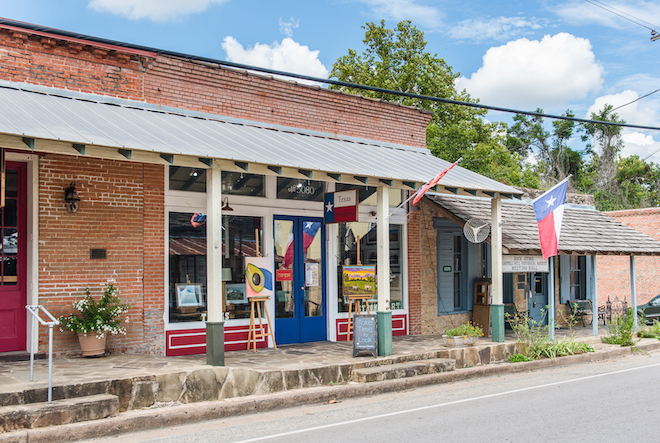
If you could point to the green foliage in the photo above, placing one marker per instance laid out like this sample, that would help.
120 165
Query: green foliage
534 342
465 330
652 331
515 358
621 330
98 317
397 59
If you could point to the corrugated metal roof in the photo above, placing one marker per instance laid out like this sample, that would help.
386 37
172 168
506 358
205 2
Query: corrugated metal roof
584 230
88 119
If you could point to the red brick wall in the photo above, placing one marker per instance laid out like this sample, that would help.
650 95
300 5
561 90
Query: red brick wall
414 274
184 84
121 210
614 271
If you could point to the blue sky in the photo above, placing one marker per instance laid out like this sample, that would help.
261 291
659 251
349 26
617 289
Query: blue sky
556 55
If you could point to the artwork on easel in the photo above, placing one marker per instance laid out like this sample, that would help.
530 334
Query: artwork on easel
258 276
359 280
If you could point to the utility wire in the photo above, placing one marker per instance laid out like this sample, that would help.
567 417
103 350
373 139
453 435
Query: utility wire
638 98
342 84
612 10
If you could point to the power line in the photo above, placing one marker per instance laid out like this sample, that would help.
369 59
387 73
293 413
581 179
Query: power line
637 99
217 62
612 10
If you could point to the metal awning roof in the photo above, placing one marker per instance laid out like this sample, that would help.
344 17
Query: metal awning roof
66 122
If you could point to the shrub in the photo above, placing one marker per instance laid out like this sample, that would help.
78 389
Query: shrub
465 330
100 318
621 331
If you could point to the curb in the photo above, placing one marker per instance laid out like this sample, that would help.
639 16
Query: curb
145 419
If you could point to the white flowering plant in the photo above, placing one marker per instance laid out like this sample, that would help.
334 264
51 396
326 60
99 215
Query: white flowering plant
99 317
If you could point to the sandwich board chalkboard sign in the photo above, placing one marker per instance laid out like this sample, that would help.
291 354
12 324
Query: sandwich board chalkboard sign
365 334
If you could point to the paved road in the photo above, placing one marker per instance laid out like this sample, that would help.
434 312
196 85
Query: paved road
613 401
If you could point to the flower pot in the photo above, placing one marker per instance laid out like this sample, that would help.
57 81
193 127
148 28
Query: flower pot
458 341
92 346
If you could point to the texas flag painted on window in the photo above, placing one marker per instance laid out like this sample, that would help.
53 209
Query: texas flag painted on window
341 206
549 210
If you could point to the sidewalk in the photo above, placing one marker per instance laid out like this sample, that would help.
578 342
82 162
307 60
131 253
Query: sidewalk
163 391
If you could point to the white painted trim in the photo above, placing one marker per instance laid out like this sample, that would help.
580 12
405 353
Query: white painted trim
32 249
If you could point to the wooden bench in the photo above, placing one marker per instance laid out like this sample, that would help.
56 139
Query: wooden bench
581 309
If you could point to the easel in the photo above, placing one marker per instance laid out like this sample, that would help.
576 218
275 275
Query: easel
253 334
355 298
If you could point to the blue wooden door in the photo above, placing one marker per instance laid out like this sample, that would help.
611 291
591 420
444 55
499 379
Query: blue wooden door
537 304
299 280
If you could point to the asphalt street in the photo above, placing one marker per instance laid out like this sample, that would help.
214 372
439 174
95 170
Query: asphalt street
607 401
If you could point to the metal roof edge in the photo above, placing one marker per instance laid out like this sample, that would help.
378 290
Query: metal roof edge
108 99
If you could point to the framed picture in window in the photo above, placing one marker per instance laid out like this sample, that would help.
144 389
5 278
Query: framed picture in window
189 295
235 293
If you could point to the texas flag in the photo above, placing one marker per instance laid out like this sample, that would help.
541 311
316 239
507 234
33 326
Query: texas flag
549 210
421 191
309 232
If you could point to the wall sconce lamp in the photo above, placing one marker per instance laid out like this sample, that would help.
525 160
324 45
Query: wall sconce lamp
71 199
225 205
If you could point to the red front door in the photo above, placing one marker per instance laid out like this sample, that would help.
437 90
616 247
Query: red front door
13 263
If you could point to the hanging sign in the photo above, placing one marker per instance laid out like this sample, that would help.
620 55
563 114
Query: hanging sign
258 276
524 263
341 206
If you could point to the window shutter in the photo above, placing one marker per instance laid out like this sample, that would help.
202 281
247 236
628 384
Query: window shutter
564 279
445 279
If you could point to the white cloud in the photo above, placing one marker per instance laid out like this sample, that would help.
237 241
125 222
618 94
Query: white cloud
526 74
412 10
287 28
498 29
155 10
644 112
581 13
288 56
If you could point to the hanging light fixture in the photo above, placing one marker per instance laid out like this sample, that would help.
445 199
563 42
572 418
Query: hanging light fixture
225 205
71 199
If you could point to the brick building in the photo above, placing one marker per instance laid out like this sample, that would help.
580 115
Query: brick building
614 272
151 140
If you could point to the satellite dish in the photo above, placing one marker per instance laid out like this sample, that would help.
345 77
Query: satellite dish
476 230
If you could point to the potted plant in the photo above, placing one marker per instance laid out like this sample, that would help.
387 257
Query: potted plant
96 319
463 335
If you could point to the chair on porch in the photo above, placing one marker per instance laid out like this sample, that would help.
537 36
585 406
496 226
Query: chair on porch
581 309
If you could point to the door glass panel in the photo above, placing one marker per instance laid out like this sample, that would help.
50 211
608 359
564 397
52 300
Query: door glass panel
312 245
9 251
284 261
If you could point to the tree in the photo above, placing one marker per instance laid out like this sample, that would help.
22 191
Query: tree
554 159
396 59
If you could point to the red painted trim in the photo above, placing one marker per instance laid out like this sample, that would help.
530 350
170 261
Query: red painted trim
193 341
399 323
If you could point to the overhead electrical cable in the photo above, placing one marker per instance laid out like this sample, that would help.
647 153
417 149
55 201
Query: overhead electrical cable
622 14
637 99
217 62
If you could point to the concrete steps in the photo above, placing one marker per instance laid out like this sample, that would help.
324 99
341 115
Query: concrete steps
403 370
72 410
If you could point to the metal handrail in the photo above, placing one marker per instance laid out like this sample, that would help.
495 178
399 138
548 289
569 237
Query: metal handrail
34 310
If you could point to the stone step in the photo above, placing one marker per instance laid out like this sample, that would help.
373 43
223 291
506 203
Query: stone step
403 370
39 415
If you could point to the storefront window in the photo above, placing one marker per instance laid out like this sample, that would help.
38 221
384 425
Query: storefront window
187 262
233 183
367 194
295 189
240 183
187 179
349 235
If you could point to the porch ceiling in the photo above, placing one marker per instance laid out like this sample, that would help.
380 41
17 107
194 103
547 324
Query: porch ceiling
57 121
584 231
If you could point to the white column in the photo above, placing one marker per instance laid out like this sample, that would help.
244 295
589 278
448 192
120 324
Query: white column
594 295
383 251
214 243
496 251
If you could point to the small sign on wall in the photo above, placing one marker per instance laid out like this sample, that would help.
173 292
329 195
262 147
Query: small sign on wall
446 269
524 263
